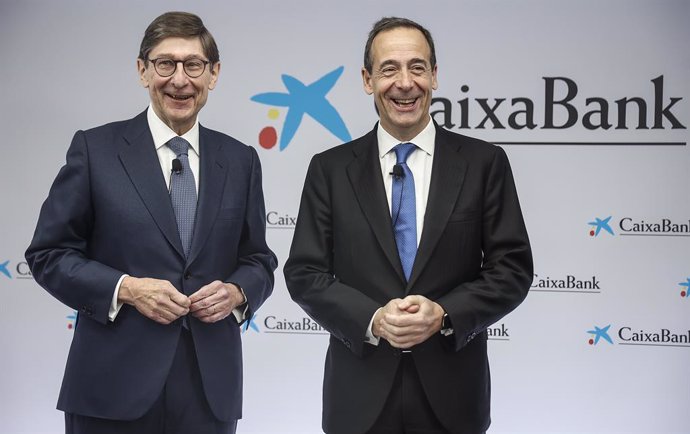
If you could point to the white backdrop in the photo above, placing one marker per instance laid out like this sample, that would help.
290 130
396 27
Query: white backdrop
71 65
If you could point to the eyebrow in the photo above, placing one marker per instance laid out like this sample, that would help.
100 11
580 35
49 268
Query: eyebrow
172 57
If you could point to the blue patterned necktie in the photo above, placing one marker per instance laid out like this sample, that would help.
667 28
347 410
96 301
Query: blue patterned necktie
404 209
183 193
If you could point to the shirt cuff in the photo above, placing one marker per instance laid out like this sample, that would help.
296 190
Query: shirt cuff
369 337
114 305
240 312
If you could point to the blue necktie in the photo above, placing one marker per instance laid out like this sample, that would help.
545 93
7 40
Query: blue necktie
404 209
183 193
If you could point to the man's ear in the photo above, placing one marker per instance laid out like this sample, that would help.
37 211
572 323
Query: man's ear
141 69
366 80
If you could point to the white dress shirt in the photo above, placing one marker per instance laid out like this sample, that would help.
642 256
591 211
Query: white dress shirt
161 135
419 162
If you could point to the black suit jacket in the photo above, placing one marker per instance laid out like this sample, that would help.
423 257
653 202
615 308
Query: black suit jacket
108 213
474 259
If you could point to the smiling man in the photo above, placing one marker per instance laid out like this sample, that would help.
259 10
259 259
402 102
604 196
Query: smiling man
409 244
154 231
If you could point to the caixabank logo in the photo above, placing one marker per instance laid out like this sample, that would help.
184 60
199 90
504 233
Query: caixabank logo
251 324
566 284
280 220
637 336
685 288
600 224
563 105
4 269
72 320
15 269
598 333
302 325
300 100
498 332
638 227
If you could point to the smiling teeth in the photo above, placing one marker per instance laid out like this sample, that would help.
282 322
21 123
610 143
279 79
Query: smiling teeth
405 101
180 97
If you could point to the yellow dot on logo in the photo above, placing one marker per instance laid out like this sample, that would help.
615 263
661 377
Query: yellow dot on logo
273 113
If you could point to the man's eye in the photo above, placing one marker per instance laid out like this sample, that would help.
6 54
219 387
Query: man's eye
166 64
194 64
388 71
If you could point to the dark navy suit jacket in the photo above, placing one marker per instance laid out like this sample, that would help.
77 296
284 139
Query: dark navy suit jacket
108 213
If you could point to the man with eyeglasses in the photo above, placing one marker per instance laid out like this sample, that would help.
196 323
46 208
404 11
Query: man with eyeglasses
154 231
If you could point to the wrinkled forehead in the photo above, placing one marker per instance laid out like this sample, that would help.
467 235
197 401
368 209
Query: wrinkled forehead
179 48
401 44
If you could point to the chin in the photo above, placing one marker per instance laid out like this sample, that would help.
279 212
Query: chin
408 121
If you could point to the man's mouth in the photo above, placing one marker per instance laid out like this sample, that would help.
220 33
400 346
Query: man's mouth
404 103
179 97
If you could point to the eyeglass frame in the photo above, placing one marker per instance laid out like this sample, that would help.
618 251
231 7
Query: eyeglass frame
155 68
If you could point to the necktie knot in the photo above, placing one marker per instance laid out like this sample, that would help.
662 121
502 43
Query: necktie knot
179 146
403 151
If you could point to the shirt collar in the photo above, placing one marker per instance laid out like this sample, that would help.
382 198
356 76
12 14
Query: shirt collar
424 140
162 133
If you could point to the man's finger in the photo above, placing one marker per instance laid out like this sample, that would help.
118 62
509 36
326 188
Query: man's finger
180 299
206 291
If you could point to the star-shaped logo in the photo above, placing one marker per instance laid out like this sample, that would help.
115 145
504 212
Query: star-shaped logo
302 99
600 224
250 323
685 292
600 333
4 270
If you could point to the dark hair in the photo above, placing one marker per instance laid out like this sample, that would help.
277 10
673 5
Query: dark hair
178 25
390 23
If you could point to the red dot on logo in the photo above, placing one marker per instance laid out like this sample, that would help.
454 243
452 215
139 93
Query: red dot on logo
69 326
591 341
682 293
591 233
268 137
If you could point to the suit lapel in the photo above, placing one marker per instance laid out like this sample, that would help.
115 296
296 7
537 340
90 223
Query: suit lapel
364 173
447 176
212 174
140 160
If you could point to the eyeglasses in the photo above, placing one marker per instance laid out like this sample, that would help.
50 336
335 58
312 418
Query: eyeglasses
167 67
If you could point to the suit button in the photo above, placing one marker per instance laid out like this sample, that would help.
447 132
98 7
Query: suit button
187 275
470 337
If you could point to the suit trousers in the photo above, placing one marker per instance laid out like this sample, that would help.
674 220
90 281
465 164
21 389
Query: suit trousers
181 408
407 410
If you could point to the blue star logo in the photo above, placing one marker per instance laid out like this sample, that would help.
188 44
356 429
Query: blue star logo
4 270
686 291
250 323
600 224
302 99
600 333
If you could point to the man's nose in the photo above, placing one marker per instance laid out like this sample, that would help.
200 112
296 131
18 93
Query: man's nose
405 80
179 77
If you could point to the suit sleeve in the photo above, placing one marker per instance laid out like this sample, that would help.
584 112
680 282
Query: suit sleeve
309 273
58 254
256 262
507 269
